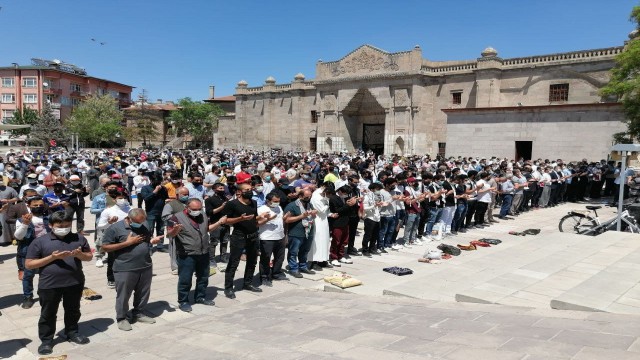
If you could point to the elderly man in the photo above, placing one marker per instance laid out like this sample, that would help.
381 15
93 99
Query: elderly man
128 241
171 208
190 230
58 257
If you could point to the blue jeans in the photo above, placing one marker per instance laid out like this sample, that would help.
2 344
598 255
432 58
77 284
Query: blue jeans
387 227
434 216
458 217
187 266
298 250
27 275
506 204
155 221
410 228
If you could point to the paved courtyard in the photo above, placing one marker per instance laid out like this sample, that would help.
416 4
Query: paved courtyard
446 310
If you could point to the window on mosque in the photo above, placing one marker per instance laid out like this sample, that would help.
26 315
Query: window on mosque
314 117
558 92
456 98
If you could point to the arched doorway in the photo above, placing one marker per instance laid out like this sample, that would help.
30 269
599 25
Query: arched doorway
365 121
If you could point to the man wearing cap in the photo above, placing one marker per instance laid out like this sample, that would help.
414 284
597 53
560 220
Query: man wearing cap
77 193
32 183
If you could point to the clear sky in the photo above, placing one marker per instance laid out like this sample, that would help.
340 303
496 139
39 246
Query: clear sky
175 49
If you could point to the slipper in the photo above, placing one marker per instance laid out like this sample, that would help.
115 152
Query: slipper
516 233
479 243
467 247
491 241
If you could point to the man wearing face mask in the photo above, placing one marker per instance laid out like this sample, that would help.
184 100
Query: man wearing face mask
271 230
11 177
196 188
109 216
32 183
173 185
155 197
190 230
299 220
77 193
242 213
29 227
58 256
214 207
128 241
57 200
259 196
171 208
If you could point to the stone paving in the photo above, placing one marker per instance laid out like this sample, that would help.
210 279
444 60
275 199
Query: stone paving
295 320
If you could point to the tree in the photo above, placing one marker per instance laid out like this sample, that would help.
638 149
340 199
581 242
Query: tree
97 120
144 121
625 80
47 128
196 118
24 116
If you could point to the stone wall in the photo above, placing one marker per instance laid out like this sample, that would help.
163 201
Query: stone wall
570 132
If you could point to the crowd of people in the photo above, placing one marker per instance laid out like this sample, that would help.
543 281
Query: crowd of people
289 214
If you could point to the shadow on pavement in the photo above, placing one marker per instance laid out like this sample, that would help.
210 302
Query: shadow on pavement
5 257
94 326
10 300
8 348
157 308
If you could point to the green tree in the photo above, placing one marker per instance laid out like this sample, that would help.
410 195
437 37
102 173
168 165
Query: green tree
24 116
196 118
625 80
144 120
47 128
97 120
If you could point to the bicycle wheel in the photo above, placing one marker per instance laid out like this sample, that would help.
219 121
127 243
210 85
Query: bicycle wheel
577 224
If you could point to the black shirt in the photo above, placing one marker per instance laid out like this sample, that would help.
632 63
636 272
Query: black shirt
449 200
235 208
211 203
130 258
63 272
338 206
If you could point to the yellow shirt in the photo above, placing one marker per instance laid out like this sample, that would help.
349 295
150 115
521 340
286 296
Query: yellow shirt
331 177
171 190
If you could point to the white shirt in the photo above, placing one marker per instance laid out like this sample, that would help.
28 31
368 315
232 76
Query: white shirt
40 189
131 170
21 229
484 197
110 212
273 229
139 182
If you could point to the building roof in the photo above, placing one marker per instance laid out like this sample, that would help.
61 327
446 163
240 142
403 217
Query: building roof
34 67
229 98
160 107
610 105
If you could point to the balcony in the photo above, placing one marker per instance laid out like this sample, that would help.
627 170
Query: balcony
123 101
52 91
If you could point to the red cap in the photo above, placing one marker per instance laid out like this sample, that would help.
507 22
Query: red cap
242 177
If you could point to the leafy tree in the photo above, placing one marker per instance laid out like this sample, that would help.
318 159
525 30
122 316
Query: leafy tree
97 120
47 128
24 116
625 80
196 118
144 121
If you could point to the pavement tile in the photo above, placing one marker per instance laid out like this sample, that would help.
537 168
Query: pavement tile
326 346
421 332
483 354
635 347
607 341
422 348
540 347
464 325
594 353
475 339
523 332
571 324
373 339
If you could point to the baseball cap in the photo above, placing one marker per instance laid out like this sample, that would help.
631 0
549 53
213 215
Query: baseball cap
74 178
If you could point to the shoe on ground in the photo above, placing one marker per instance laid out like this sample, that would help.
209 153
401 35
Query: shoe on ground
346 261
111 284
206 302
406 246
417 242
307 271
186 307
287 267
99 263
78 339
354 253
366 254
335 263
376 252
174 272
212 271
383 251
45 349
316 267
251 288
27 303
296 274
229 293
142 318
267 282
463 230
396 247
280 277
124 325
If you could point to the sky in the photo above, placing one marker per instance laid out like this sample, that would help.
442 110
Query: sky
176 49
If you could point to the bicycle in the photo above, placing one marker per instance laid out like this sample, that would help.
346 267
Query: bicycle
581 222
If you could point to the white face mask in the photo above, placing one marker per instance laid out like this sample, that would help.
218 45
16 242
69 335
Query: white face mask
274 205
61 232
122 202
259 189
195 213
75 182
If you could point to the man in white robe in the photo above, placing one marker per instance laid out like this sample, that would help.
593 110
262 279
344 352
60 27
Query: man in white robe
321 239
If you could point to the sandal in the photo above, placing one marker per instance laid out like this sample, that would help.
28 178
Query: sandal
467 247
479 243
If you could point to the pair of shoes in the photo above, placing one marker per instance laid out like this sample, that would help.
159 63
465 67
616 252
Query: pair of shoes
463 230
144 319
280 277
45 349
396 247
174 272
354 252
296 274
383 251
20 275
206 302
77 339
467 247
316 267
307 271
494 221
251 288
454 233
335 263
346 261
266 282
111 284
185 306
124 325
366 254
375 252
418 242
27 303
99 263
229 293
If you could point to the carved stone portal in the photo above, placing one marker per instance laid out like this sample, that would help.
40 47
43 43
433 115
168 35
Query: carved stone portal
401 97
365 60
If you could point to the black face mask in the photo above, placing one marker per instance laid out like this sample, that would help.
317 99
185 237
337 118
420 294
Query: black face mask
247 194
38 211
197 183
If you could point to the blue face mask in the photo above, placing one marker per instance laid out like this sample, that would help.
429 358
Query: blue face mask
267 178
184 199
135 225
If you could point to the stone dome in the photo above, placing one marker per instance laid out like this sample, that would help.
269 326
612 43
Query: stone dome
489 52
299 76
242 83
270 80
633 34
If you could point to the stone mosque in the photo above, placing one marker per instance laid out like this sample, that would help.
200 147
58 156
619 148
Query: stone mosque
543 106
